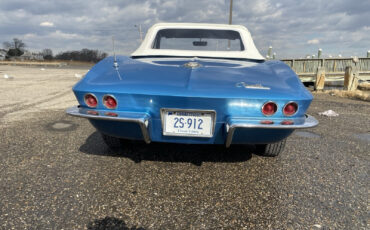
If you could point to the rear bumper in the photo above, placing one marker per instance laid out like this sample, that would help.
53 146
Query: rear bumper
233 124
142 119
234 130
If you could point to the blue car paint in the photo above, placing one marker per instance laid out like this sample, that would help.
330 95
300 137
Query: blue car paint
146 87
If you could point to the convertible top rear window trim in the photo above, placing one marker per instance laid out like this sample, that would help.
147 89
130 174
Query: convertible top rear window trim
207 57
184 33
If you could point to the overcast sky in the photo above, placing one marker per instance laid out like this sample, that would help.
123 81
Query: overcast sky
294 28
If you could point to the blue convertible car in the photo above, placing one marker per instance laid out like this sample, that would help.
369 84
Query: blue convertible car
195 84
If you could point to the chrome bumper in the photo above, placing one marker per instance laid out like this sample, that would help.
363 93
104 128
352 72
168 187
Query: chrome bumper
233 124
142 119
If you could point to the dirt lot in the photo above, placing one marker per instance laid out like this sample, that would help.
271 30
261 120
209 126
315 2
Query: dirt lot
56 172
25 90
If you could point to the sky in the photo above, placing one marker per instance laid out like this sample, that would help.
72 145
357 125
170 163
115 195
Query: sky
294 28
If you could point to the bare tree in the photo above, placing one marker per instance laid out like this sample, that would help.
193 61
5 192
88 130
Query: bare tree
15 48
47 54
15 44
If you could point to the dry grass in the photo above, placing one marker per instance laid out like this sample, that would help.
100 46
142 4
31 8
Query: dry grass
357 94
47 63
32 63
364 86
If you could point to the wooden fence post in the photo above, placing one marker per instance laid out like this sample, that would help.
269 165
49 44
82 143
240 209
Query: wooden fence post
320 78
350 78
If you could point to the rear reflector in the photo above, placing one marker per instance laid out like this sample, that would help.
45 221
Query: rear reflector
269 108
287 123
91 100
91 112
109 102
111 114
267 122
290 109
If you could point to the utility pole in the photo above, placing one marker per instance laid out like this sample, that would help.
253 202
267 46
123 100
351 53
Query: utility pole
230 20
231 12
140 32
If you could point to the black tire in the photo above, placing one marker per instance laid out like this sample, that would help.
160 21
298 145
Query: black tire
271 150
113 143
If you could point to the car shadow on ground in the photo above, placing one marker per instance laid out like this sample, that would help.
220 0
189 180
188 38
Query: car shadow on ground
167 152
110 223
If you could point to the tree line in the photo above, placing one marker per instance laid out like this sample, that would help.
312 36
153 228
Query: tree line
82 55
17 47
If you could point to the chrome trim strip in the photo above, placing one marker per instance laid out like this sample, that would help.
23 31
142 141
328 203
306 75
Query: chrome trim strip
213 112
255 86
142 121
230 128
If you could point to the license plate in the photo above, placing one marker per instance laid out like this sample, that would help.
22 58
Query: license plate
188 123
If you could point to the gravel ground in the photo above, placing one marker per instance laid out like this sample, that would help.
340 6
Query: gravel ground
56 173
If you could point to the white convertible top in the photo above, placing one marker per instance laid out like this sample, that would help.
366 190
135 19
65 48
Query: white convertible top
250 51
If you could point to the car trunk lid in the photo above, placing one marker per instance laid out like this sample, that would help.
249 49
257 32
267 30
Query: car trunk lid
194 77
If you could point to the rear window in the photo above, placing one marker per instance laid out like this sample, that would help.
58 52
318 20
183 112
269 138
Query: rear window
198 39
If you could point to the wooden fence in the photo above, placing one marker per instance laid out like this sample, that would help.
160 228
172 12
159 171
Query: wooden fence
334 68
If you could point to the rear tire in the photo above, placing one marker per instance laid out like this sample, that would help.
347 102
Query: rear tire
271 150
113 143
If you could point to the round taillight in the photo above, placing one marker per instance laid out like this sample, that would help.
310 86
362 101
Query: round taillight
290 109
91 100
110 102
269 108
